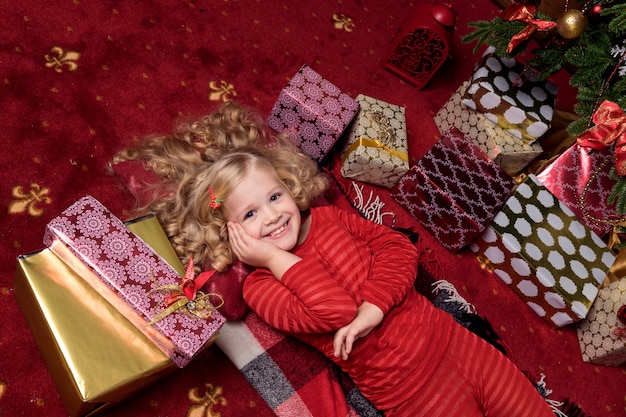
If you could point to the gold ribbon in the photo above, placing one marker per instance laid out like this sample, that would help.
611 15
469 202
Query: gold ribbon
618 269
200 306
187 294
614 239
373 143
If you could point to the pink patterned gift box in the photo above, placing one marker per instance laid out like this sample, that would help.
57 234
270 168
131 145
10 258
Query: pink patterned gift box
582 173
126 272
313 112
454 190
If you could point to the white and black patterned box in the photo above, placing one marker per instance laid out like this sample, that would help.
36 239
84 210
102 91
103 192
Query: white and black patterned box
544 253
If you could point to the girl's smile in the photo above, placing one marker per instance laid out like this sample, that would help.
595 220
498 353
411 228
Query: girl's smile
278 231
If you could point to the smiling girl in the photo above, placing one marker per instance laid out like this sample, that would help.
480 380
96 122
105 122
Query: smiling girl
338 282
344 285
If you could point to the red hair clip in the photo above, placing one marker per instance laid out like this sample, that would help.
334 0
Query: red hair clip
215 202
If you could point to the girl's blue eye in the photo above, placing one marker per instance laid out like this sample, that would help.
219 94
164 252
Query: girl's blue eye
274 197
248 215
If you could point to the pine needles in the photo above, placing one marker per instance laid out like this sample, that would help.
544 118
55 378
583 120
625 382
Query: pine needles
596 62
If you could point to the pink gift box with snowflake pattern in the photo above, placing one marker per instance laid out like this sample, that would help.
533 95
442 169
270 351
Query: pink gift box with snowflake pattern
126 272
313 112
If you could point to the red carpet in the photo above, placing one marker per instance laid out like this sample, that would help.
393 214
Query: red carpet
82 79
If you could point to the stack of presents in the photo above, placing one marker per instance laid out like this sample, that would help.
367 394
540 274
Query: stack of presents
113 290
544 234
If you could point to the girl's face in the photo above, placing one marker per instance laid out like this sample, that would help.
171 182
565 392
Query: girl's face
265 209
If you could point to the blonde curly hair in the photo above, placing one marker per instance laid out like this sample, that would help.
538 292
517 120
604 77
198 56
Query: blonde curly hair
217 150
172 156
202 229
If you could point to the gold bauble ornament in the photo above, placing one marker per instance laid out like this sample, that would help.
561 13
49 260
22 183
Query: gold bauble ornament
571 24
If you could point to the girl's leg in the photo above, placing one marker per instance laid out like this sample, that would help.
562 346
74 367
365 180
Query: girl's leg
500 388
476 380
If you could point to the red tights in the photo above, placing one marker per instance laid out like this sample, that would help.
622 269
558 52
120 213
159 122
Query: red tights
475 380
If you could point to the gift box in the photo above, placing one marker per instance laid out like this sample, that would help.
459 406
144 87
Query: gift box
95 356
544 253
125 271
511 97
376 147
579 177
313 112
454 190
602 337
506 150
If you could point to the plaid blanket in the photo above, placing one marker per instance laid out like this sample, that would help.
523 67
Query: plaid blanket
290 387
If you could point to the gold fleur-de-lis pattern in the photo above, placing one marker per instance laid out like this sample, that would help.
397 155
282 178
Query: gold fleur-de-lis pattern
221 91
202 405
62 59
29 201
343 22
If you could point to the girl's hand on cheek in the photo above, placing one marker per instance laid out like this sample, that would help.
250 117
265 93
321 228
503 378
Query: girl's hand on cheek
247 249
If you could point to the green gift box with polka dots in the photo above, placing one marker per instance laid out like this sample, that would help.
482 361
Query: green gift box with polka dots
543 252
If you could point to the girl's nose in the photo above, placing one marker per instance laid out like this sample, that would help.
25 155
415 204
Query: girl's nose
271 215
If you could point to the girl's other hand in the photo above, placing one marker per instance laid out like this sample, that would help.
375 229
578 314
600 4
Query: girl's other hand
367 317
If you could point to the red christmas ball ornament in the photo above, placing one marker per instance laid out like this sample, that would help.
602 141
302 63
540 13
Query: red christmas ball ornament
595 11
444 14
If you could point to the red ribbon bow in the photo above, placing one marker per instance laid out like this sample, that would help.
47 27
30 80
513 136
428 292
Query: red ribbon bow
190 285
517 11
610 127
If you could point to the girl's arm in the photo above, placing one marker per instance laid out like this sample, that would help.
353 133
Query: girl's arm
392 274
258 253
394 261
310 302
307 300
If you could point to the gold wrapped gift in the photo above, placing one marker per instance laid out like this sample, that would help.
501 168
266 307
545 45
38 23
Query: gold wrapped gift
95 356
544 253
376 151
506 150
601 334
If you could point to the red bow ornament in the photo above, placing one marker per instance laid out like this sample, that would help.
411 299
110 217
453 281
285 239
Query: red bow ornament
609 129
188 294
517 11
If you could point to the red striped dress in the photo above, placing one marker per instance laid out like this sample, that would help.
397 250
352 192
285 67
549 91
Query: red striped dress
418 361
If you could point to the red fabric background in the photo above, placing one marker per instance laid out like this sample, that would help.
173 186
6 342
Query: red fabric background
142 65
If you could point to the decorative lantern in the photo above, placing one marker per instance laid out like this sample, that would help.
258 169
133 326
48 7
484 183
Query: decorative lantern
421 44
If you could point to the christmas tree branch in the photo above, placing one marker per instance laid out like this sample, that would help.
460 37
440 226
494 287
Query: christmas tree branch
618 23
595 60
